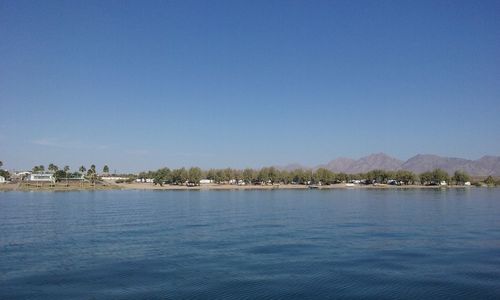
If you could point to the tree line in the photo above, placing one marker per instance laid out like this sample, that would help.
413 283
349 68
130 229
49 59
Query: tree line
266 175
65 172
272 175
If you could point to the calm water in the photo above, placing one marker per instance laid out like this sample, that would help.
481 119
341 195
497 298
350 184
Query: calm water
342 244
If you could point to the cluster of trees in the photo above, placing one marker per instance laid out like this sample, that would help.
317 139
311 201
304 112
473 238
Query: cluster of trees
4 173
271 175
267 175
438 175
490 181
60 174
175 176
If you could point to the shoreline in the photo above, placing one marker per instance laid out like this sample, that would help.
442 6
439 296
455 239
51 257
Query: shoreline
208 187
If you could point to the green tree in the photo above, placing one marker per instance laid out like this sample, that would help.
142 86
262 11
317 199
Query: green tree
53 168
460 177
341 177
158 179
92 174
237 175
406 177
105 169
4 173
179 176
300 176
285 177
272 174
425 178
434 178
219 175
323 176
82 169
248 175
194 175
263 176
60 174
160 176
439 175
377 176
1 164
38 169
211 174
227 174
490 180
166 175
66 169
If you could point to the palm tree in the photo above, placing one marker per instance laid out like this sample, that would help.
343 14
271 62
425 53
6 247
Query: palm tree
38 169
82 170
53 168
92 174
66 174
105 169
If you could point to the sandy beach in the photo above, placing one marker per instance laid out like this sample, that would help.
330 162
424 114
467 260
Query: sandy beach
150 186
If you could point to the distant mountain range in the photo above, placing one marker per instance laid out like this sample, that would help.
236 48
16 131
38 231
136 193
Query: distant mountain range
486 165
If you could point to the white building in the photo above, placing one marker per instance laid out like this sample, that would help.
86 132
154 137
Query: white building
144 180
206 181
21 174
43 177
113 178
2 179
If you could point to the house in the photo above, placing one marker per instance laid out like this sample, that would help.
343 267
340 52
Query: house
467 183
443 183
144 180
42 177
2 179
21 175
113 178
206 181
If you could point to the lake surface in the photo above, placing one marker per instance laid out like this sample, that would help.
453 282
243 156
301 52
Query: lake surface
310 244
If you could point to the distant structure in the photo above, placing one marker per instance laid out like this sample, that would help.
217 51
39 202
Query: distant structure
42 177
113 178
2 179
144 180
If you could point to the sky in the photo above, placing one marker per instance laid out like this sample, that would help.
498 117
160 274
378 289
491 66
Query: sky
139 85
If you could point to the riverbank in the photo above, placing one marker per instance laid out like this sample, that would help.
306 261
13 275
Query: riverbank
57 187
60 187
150 186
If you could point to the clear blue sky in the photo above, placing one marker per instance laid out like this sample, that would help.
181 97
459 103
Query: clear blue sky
145 84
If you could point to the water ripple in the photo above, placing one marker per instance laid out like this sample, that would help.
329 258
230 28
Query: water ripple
346 244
